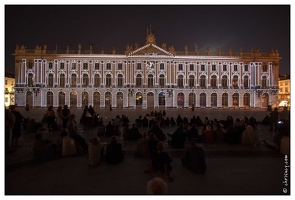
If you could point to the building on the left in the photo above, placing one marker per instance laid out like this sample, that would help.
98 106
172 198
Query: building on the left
9 89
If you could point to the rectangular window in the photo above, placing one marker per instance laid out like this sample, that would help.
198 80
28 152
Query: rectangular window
213 67
5 82
162 66
96 66
62 65
286 90
73 65
120 66
246 68
30 65
180 67
235 68
264 68
50 65
224 68
109 66
202 67
85 65
192 67
138 66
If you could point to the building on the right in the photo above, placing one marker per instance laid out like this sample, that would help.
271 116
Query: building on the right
284 91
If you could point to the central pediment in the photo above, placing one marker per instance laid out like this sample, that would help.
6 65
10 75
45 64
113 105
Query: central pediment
150 50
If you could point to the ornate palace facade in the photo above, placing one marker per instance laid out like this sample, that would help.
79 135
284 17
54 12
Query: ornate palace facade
147 76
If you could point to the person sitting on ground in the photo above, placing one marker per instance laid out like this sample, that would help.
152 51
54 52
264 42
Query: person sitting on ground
193 133
208 133
157 186
160 161
109 129
153 141
266 120
250 137
231 136
73 132
134 131
194 159
219 133
142 149
126 132
138 122
172 121
158 132
95 152
178 120
178 137
114 151
145 122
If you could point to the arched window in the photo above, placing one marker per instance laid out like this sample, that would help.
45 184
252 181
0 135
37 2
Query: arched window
162 80
120 80
213 100
49 99
138 99
263 82
85 80
191 81
30 80
203 81
108 80
180 81
235 99
96 99
246 82
180 100
61 99
73 99
74 80
150 80
213 81
203 99
224 100
96 80
50 80
162 99
246 99
138 81
61 80
235 82
224 81
84 99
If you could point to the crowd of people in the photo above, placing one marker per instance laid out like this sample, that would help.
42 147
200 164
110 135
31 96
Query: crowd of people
149 142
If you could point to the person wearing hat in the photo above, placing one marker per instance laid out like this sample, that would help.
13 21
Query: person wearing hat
160 161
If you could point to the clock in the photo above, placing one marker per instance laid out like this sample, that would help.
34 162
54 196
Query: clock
151 39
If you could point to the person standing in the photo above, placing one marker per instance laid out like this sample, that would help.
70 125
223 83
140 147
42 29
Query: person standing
65 116
51 118
274 116
9 121
17 126
59 117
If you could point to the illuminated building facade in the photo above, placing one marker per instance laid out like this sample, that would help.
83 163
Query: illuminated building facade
9 89
285 89
148 76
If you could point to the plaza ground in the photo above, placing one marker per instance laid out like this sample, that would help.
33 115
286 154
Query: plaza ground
231 169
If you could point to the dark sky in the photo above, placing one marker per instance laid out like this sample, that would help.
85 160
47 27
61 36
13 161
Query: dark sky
246 26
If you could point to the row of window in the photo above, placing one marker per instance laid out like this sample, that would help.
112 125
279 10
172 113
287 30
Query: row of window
202 100
139 66
97 81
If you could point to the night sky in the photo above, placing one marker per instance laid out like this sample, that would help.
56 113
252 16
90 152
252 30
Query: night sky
241 26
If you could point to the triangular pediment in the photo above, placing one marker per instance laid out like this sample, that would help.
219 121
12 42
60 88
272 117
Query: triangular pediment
150 50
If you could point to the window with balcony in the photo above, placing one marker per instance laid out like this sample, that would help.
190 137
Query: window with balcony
96 80
120 81
162 80
138 80
224 81
180 81
203 81
85 80
50 80
108 80
213 81
74 80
